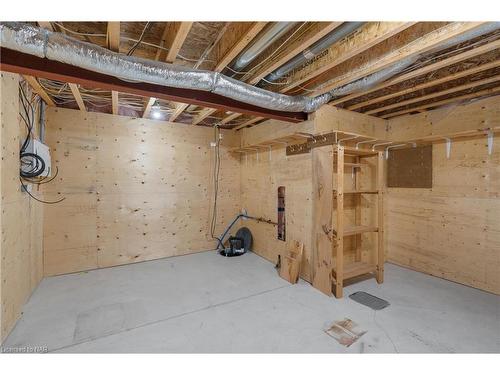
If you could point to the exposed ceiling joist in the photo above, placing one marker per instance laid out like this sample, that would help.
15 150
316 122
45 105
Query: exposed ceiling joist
233 42
477 94
368 36
434 95
249 122
235 39
317 31
148 107
424 70
230 118
427 84
78 97
370 49
39 90
203 115
179 108
46 25
418 46
173 38
113 43
174 35
113 36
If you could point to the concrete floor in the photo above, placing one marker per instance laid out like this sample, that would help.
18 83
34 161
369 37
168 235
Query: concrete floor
207 303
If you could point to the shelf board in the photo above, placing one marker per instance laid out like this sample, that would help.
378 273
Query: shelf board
359 191
353 165
351 231
356 269
275 142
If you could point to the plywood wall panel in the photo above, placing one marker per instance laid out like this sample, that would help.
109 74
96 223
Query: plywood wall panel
452 230
20 217
148 190
260 181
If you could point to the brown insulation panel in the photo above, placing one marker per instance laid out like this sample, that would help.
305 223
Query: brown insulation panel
410 168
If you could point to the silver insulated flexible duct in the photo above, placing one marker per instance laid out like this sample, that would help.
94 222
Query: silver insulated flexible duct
339 33
262 42
59 47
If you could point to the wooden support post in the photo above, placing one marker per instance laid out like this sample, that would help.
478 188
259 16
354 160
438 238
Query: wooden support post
338 243
322 255
380 214
357 212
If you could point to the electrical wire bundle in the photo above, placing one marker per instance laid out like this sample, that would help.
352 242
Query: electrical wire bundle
32 165
213 222
132 50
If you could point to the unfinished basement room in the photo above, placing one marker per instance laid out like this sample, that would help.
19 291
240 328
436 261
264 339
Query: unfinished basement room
250 186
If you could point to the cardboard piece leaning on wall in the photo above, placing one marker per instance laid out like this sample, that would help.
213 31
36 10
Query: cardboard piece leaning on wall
290 262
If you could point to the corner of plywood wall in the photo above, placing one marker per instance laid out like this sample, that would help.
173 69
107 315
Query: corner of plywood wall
452 230
262 175
21 218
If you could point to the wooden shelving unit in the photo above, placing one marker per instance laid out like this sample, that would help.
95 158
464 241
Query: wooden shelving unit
343 271
284 141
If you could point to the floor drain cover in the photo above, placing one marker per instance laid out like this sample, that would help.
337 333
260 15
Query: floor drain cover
369 300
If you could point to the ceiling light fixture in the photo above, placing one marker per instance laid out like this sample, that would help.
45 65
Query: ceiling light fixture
156 110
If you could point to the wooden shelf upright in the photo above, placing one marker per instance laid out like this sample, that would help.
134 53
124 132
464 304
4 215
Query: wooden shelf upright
342 271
